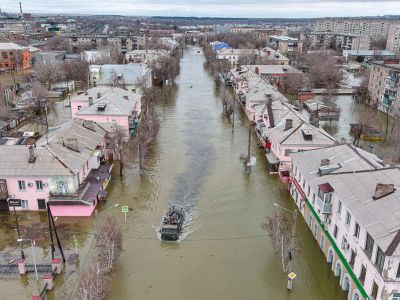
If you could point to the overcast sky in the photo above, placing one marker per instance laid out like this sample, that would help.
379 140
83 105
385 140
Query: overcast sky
211 8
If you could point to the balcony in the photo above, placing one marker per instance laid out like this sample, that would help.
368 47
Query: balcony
324 208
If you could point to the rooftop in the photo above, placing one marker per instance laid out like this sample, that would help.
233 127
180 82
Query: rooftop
10 46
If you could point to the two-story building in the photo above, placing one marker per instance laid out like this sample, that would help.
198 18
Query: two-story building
65 169
108 105
14 57
350 202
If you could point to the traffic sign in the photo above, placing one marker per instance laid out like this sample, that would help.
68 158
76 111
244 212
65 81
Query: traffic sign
14 202
292 275
125 208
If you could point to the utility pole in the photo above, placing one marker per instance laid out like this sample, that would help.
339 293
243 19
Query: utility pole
292 246
19 233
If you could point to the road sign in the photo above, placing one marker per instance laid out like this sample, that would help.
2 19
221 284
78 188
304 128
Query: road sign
125 208
14 202
292 275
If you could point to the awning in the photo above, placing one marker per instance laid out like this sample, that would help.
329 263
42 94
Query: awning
272 159
299 189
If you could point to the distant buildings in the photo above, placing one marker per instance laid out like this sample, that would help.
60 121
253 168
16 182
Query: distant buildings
14 57
262 32
368 54
338 41
285 44
350 203
375 28
267 55
123 43
125 76
145 56
383 86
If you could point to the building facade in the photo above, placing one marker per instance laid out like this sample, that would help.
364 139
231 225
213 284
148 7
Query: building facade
393 40
375 28
383 86
348 198
14 57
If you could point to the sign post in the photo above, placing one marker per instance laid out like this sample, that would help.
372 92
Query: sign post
16 203
125 210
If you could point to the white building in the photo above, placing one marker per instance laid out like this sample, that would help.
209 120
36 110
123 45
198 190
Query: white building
393 40
267 55
351 203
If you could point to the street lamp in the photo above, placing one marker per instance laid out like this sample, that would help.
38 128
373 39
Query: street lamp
33 254
96 214
292 242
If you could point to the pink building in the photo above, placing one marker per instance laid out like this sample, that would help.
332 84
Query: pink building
66 171
108 105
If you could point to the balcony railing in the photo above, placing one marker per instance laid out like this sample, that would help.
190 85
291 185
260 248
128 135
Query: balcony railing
324 208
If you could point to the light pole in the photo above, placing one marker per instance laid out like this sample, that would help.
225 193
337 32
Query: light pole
33 254
96 213
292 242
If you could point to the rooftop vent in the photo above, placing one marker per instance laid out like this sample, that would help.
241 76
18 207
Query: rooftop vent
327 169
288 124
125 97
382 190
101 107
325 162
98 95
32 156
72 144
90 101
89 125
307 134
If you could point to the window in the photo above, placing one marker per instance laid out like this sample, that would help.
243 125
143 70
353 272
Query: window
396 296
41 203
322 243
287 152
375 289
380 260
79 107
335 231
310 220
313 198
352 258
4 55
308 191
344 243
362 274
339 209
369 245
21 185
24 204
39 185
348 218
357 230
398 272
316 231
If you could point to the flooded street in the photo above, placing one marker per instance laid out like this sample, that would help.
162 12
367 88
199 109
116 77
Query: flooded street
224 253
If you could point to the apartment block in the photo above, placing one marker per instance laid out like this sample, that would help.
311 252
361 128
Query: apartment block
338 41
393 40
350 202
383 86
375 28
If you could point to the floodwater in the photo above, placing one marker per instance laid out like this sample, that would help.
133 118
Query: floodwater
224 253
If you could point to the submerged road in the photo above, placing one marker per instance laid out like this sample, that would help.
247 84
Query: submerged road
224 253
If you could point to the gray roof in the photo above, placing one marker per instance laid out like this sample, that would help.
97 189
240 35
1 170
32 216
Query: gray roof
129 73
381 217
88 140
349 157
10 46
114 102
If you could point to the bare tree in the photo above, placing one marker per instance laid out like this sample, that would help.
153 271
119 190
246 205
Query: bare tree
279 231
228 104
122 146
4 111
77 71
48 74
95 282
322 71
361 93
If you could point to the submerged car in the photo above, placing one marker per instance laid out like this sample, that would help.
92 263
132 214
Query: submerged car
172 224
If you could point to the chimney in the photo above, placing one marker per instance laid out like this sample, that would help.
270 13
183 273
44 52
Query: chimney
325 162
288 124
98 95
90 101
86 93
383 190
32 157
126 97
257 70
